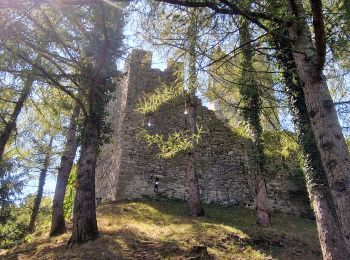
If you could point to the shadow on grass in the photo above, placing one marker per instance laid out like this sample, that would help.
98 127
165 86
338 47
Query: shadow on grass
289 237
129 231
122 244
101 248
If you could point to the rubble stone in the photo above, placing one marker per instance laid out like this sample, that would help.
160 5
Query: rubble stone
127 167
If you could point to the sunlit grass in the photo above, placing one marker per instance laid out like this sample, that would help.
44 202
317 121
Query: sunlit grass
163 230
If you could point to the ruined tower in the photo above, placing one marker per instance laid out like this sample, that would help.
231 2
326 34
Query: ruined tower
128 168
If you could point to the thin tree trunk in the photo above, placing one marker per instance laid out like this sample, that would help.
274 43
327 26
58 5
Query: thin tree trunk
84 213
263 215
333 245
58 222
39 194
11 124
250 94
324 121
194 202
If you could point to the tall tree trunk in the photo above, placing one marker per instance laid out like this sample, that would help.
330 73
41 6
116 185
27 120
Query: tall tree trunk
194 202
58 223
250 94
39 194
333 245
324 121
94 75
11 124
84 213
263 215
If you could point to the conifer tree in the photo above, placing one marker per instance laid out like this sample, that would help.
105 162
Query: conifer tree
43 173
330 235
251 97
194 202
95 76
58 222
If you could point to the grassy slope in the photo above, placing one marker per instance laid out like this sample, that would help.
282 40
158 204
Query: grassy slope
162 230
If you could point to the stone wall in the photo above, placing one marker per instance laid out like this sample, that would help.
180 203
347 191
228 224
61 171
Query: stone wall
127 167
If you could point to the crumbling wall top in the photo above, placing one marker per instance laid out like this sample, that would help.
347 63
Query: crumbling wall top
139 58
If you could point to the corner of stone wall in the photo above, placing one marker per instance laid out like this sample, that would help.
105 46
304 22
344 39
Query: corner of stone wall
175 68
139 58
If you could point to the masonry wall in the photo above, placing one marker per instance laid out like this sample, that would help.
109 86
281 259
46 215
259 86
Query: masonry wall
127 167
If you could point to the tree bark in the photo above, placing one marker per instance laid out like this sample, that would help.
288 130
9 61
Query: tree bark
194 202
58 222
324 121
333 245
39 194
84 213
262 213
11 124
250 94
94 75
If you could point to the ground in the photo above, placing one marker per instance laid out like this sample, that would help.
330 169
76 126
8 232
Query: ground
162 230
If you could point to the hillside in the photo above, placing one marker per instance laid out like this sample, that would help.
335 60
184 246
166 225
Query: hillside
162 230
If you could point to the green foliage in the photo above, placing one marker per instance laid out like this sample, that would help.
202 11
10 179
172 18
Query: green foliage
232 82
70 193
174 143
151 102
14 232
280 143
277 143
347 141
178 141
242 130
10 186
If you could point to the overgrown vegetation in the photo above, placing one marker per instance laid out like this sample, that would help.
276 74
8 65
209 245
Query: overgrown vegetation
70 193
14 230
10 186
171 145
152 101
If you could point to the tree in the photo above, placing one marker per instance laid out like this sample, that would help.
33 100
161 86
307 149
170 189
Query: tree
58 223
194 202
333 245
39 195
39 129
251 110
10 185
11 123
95 77
181 42
309 59
81 57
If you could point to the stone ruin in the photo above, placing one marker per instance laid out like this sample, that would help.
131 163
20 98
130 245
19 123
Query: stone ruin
128 168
